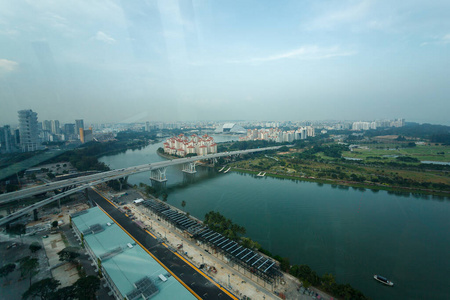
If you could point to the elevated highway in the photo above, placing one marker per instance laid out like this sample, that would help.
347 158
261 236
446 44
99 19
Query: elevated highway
81 183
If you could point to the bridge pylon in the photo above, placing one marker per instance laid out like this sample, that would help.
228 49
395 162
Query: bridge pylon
158 175
189 168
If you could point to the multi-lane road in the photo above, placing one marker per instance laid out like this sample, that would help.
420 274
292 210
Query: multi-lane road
191 277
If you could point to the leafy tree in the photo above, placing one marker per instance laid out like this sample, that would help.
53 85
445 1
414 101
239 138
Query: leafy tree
285 264
64 293
6 269
183 203
328 281
86 287
16 229
304 272
164 196
150 190
217 222
11 188
283 149
50 175
34 247
55 224
68 254
28 267
43 289
249 243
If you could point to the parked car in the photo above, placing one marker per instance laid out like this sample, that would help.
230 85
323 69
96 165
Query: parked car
13 245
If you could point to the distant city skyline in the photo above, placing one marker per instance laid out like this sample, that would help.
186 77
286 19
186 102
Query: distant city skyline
125 62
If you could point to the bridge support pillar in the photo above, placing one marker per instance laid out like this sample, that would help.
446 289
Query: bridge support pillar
35 214
158 175
189 168
122 181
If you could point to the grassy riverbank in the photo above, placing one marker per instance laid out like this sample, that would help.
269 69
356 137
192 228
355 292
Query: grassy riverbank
355 185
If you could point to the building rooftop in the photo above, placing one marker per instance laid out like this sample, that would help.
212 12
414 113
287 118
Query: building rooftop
130 267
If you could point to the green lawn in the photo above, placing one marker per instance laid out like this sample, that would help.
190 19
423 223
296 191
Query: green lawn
421 152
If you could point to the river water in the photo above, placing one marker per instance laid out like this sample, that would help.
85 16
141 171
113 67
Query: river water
352 233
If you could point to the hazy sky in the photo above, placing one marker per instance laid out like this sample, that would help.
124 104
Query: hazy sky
168 60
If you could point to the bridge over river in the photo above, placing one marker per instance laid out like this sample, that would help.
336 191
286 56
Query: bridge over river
70 186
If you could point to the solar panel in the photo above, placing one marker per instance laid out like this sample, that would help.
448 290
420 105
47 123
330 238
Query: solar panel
145 288
79 213
111 253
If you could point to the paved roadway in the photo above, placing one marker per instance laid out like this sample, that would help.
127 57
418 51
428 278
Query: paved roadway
115 174
200 285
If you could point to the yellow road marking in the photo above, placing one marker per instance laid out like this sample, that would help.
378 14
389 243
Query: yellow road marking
176 277
150 234
206 276
167 269
104 197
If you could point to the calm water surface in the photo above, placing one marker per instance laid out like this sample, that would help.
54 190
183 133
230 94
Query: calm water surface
351 233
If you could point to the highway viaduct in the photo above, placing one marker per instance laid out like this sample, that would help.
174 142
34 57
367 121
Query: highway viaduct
84 182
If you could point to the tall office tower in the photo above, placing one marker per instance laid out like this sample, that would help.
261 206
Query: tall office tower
55 127
86 135
8 138
69 129
5 139
47 125
78 124
28 128
147 126
16 138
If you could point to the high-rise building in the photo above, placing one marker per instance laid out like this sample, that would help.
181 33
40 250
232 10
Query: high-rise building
47 125
16 137
6 139
28 129
69 129
86 135
147 126
56 129
79 124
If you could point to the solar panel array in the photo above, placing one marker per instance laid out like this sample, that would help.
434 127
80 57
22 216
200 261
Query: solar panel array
111 253
145 289
258 264
79 213
265 268
96 228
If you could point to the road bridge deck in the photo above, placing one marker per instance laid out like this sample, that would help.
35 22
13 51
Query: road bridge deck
118 173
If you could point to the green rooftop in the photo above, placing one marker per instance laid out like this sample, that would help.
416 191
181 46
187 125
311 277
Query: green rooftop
125 265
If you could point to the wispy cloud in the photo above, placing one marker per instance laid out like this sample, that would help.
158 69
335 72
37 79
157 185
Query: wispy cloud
337 16
438 40
305 53
7 65
103 37
8 32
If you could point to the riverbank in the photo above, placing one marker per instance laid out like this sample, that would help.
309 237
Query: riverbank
352 184
165 155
